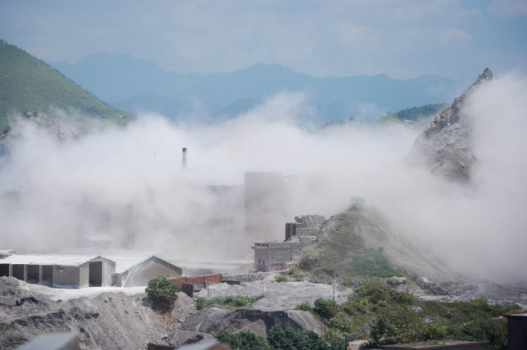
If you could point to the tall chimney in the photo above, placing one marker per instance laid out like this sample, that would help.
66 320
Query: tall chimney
184 158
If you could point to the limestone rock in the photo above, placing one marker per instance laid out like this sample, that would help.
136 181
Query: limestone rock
422 282
395 281
213 319
445 146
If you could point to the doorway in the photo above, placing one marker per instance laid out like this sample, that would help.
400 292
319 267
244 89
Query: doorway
95 278
47 275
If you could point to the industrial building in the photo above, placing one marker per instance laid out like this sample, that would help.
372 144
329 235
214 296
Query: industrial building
118 269
276 256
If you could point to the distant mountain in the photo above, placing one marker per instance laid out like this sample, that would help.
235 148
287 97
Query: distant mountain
27 83
415 113
134 84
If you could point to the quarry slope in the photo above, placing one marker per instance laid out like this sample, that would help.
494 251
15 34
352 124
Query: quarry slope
105 321
445 145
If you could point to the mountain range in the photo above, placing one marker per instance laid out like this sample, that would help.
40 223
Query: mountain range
137 85
27 83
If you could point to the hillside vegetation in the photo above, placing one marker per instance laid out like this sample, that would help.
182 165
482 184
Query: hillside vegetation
27 83
414 113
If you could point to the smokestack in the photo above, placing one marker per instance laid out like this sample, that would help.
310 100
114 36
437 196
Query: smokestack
184 158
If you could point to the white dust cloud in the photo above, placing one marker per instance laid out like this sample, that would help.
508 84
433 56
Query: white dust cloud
129 183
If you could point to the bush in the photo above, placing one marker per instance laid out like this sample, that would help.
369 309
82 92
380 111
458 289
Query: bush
281 278
372 289
396 325
277 338
162 292
228 300
326 308
372 264
288 338
304 307
243 340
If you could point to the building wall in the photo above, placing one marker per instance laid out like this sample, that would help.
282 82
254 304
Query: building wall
263 206
84 275
149 269
261 259
198 281
66 276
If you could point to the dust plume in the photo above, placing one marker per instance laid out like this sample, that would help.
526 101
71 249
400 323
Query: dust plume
129 183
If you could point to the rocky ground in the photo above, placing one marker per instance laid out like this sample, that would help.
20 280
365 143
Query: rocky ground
279 296
105 321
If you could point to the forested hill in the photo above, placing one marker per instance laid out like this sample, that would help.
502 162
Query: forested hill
415 113
27 83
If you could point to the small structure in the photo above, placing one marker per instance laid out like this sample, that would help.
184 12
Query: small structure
198 282
134 271
517 330
276 256
53 341
441 345
62 271
132 268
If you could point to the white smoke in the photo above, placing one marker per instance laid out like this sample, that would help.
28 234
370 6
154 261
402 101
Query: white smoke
134 178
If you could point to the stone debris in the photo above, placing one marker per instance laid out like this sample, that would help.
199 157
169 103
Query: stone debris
422 282
105 321
396 281
280 296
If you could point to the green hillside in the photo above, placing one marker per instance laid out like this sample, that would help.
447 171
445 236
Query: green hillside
27 83
414 113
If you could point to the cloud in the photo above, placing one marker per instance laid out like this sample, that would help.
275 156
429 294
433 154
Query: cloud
453 34
508 8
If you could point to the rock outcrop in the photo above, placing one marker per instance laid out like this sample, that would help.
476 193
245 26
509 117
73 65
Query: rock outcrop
53 127
445 146
105 321
214 318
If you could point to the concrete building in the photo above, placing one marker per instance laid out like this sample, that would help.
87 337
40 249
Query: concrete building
62 271
276 256
88 268
263 205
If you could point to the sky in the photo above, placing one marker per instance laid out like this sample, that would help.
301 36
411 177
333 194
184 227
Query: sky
401 38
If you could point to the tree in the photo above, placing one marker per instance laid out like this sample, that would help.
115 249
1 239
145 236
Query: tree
162 292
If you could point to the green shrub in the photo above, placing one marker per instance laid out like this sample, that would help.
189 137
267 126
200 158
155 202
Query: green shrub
304 307
342 322
372 289
288 338
228 300
396 324
162 292
326 308
401 297
281 278
243 340
372 263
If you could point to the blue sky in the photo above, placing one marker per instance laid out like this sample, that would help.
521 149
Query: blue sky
401 38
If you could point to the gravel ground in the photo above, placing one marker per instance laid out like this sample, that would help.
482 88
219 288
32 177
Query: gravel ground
279 296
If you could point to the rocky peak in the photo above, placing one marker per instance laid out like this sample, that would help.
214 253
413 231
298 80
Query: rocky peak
445 145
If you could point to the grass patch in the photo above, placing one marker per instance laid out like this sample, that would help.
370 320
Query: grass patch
233 301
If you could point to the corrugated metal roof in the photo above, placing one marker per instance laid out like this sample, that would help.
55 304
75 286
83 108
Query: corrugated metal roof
6 251
48 259
124 259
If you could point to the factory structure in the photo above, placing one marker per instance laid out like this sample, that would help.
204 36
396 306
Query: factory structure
121 269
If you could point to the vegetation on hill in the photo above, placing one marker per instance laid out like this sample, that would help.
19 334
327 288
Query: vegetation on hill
27 83
341 252
414 113
229 301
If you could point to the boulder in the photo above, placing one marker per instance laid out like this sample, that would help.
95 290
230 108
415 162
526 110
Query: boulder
422 282
395 281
